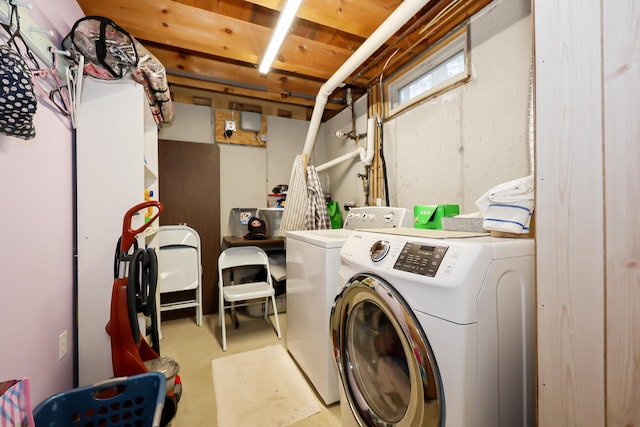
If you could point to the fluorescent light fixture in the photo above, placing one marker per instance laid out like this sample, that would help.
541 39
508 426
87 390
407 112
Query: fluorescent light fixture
282 27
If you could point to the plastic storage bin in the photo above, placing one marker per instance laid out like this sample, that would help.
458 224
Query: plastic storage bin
134 401
272 217
238 220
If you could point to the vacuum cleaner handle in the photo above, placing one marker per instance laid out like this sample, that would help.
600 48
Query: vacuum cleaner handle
129 234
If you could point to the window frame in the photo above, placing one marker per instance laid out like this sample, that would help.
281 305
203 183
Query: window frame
458 40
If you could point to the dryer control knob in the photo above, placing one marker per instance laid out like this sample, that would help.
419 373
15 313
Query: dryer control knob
379 250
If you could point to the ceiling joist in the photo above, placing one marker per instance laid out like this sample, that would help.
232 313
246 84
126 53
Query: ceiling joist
216 45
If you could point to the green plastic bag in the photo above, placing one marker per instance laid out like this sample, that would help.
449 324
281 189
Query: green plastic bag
333 208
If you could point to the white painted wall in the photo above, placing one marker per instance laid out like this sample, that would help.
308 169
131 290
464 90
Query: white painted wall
450 149
192 123
453 148
247 174
286 139
37 250
242 180
243 169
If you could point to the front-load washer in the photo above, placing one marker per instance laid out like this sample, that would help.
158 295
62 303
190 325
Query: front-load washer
434 331
313 260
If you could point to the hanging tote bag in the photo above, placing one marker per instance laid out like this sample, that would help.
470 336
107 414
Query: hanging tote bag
15 404
108 49
18 102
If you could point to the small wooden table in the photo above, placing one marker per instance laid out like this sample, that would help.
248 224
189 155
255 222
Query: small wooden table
272 244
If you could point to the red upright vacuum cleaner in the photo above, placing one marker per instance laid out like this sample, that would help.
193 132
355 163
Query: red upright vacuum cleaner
134 292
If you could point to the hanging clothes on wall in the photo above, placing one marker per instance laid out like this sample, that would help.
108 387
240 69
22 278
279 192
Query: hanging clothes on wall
317 216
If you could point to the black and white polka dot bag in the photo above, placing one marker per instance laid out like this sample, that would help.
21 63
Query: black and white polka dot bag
17 98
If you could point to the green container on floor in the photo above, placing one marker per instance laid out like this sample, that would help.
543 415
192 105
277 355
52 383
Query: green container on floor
430 216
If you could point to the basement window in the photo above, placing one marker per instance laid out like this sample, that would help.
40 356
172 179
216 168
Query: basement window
438 70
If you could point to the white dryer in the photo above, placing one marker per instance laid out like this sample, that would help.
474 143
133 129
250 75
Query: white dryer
435 331
313 260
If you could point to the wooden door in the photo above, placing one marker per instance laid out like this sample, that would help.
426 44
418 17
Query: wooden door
190 192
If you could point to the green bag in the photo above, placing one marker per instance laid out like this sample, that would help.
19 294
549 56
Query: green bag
333 208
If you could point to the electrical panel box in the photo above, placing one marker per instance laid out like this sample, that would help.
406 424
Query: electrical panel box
250 121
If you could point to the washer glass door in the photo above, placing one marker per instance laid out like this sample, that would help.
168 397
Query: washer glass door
386 365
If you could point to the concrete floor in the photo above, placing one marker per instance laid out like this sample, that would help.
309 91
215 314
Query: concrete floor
195 347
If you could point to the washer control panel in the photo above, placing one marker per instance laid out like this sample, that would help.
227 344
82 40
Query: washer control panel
424 259
378 217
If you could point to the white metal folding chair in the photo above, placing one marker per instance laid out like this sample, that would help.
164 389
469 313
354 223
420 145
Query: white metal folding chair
180 268
242 294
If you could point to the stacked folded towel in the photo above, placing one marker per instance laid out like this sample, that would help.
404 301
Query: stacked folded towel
508 207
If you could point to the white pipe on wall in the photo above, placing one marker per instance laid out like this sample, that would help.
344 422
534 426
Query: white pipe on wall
366 155
390 26
343 158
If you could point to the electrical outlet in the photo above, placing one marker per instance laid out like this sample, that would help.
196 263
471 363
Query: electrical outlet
230 125
62 345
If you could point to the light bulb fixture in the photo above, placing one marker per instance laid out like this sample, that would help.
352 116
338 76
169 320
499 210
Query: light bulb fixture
282 27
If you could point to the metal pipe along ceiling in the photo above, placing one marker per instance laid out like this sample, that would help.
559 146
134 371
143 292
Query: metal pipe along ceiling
389 27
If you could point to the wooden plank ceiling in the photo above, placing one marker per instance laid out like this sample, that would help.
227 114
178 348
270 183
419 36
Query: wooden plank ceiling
215 46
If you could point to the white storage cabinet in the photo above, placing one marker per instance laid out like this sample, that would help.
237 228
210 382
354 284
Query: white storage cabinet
116 160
